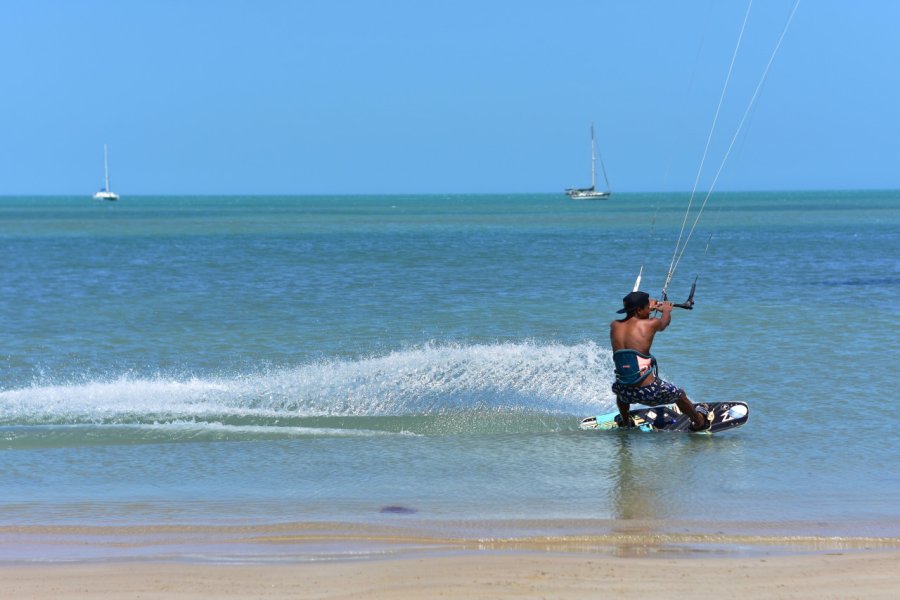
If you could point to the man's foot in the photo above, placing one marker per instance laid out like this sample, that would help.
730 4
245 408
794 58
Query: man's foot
629 422
703 413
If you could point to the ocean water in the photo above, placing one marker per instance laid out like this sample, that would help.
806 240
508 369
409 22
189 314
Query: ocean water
265 360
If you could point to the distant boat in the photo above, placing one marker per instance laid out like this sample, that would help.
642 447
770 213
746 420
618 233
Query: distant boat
104 193
591 193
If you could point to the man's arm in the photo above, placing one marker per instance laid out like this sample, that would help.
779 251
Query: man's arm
666 309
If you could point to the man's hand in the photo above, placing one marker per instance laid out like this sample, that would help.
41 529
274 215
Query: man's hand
661 306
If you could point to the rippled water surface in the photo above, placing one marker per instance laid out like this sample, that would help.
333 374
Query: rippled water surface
280 359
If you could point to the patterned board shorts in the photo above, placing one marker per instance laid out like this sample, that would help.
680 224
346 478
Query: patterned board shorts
657 393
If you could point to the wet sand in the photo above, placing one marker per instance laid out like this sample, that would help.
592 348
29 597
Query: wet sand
617 559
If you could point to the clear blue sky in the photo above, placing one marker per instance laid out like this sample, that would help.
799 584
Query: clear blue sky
436 96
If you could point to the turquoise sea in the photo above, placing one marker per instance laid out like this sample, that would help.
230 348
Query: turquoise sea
210 361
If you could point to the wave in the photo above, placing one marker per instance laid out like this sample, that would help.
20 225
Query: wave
427 381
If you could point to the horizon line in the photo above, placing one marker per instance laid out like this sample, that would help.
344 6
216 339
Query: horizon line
430 194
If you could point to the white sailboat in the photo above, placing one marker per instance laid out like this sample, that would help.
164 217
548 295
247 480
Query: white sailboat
591 193
105 193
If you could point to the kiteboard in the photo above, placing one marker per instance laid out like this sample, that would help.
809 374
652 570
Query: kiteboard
722 416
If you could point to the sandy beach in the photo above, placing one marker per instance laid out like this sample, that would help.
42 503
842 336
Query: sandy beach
619 559
479 575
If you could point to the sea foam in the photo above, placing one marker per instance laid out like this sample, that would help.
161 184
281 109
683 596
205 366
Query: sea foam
426 380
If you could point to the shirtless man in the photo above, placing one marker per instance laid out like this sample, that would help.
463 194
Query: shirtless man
636 377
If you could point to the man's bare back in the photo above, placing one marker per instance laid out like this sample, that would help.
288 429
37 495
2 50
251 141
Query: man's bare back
636 331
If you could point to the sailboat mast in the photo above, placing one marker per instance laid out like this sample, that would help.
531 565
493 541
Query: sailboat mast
105 167
603 168
593 161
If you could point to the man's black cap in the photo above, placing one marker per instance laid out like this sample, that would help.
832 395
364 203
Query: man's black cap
634 301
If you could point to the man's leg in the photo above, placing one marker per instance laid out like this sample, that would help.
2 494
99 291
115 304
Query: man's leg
687 407
623 411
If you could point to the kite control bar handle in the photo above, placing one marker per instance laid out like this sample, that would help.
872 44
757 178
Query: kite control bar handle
687 304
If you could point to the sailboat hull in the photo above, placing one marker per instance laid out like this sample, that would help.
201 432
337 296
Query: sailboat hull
587 195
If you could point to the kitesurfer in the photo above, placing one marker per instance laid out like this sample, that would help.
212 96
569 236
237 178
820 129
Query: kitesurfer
636 373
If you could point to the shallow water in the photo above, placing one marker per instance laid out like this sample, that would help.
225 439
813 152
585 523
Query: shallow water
226 360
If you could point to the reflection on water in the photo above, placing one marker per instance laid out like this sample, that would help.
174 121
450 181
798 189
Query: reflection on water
634 496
